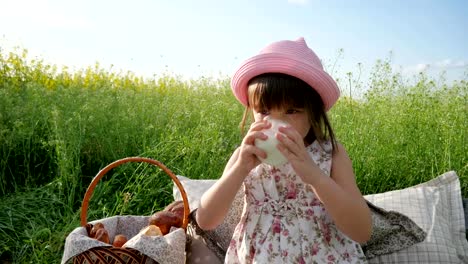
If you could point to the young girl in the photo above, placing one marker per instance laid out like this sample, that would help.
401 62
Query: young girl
310 209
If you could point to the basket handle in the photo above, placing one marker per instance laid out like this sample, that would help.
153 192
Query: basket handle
89 191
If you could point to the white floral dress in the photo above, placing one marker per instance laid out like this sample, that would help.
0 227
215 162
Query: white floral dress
284 222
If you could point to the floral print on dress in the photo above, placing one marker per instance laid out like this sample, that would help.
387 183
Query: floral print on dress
284 222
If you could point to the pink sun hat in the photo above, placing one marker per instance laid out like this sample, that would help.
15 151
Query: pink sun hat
294 58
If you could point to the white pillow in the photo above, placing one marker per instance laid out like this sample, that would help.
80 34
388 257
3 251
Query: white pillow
435 206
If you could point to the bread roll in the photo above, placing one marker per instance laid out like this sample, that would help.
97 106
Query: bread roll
102 235
176 207
151 230
119 240
95 228
165 220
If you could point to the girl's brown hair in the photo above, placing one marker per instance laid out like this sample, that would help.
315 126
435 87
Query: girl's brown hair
277 90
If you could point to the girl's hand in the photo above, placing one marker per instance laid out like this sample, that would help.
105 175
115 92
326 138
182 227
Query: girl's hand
293 148
248 152
216 201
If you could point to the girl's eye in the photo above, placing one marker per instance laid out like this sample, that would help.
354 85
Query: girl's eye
263 112
292 111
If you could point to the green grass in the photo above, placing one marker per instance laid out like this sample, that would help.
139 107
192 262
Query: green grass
58 129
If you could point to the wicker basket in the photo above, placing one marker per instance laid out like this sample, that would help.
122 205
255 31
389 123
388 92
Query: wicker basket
100 255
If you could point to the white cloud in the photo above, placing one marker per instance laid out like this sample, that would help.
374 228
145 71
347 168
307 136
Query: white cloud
422 67
443 65
450 64
298 2
410 69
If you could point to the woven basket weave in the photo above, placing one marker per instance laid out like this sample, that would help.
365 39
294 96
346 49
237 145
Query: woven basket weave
114 255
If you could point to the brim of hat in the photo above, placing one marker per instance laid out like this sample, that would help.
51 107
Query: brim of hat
317 78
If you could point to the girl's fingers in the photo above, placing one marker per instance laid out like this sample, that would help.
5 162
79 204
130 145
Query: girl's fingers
291 133
255 132
249 139
256 151
287 146
284 151
262 124
291 140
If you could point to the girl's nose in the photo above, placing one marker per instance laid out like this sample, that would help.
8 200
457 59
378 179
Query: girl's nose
274 116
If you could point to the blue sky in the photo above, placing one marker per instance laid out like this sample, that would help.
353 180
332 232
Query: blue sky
211 37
